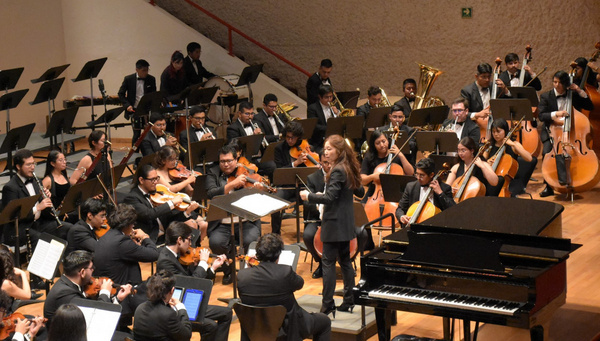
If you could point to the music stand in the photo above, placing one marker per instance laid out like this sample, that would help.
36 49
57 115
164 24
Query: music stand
400 140
251 144
348 127
393 186
224 206
289 176
106 118
116 173
428 116
202 95
204 152
17 210
524 92
146 160
249 74
293 249
269 152
439 141
512 109
10 101
16 138
441 159
60 122
46 256
348 99
47 93
200 193
90 71
148 103
101 319
77 194
376 117
308 124
51 74
10 78
203 284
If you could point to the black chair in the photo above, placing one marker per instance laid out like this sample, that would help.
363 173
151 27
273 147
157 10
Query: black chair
260 323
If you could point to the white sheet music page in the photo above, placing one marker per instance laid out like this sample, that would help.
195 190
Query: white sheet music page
259 204
101 324
45 257
286 257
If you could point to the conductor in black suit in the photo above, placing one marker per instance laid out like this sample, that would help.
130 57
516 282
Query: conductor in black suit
268 119
319 78
459 123
178 241
82 235
553 110
322 111
281 281
133 88
512 74
441 193
194 71
479 92
78 268
409 86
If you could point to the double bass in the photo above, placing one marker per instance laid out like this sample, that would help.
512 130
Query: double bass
570 152
594 95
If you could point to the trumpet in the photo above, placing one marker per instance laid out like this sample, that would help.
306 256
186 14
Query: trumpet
264 142
52 209
177 145
206 131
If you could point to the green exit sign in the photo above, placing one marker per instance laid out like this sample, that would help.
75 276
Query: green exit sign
467 12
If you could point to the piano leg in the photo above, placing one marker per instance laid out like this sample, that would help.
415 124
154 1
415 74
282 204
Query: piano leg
467 330
537 333
446 328
383 317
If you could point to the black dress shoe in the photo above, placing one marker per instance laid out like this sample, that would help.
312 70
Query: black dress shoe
227 279
346 307
318 273
329 310
38 285
548 191
35 295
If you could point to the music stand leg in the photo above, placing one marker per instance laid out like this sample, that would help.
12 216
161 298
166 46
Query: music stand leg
17 246
232 255
297 206
92 100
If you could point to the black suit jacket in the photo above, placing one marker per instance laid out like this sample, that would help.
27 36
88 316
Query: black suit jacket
235 129
470 129
363 110
117 257
191 75
315 183
183 140
127 91
282 156
412 194
63 292
338 213
549 103
536 84
265 125
149 144
312 88
147 214
158 321
13 190
405 104
281 281
471 93
81 237
316 111
168 261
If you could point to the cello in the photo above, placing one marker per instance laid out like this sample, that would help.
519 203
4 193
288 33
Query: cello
485 124
504 165
528 136
570 152
467 186
423 210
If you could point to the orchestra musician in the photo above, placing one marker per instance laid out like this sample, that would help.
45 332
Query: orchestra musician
97 142
321 77
322 110
373 100
198 128
338 227
511 75
268 119
16 280
153 219
82 235
55 177
173 80
593 75
553 109
178 241
222 180
459 123
467 150
282 282
397 118
440 196
25 329
78 267
157 138
192 66
478 93
409 87
133 88
526 162
166 159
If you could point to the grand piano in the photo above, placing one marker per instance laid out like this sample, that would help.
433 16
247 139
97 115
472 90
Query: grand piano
490 260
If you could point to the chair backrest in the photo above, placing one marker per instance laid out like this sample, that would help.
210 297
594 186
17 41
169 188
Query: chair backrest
260 323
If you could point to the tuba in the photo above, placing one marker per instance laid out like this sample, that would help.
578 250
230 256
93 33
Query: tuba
385 102
426 79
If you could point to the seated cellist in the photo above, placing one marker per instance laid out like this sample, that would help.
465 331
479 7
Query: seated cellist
440 196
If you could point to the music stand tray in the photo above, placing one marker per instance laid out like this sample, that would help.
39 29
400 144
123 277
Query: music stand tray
51 74
376 117
512 109
309 125
205 151
78 193
393 186
90 70
16 138
17 210
288 175
525 92
249 74
348 127
107 117
428 116
48 91
438 141
251 144
269 153
10 78
148 103
200 193
202 96
441 159
349 99
12 99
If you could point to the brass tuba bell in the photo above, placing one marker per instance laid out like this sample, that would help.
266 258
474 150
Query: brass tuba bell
426 79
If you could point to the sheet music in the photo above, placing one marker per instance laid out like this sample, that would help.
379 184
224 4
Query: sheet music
101 324
259 204
286 257
45 258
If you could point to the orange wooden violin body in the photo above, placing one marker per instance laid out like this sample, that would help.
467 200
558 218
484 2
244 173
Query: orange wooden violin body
251 178
92 290
312 157
252 168
163 194
180 173
102 230
318 244
9 323
250 260
192 256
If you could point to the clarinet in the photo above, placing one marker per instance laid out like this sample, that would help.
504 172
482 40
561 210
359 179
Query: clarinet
54 213
29 247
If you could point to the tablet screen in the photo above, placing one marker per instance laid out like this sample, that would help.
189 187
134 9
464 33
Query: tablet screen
192 299
177 293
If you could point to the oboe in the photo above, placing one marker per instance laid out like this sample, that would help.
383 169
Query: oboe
54 213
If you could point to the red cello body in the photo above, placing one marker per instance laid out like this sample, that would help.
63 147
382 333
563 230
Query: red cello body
318 244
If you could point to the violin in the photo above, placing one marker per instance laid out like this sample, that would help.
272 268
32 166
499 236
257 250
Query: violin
251 179
423 210
163 194
99 232
92 290
180 172
9 324
250 260
312 158
252 168
192 256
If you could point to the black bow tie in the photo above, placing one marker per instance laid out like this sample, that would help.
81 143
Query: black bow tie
198 130
28 181
247 125
562 96
411 100
484 90
513 76
142 79
460 123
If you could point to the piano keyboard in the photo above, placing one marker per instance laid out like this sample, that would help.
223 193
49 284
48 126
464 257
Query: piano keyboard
442 299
